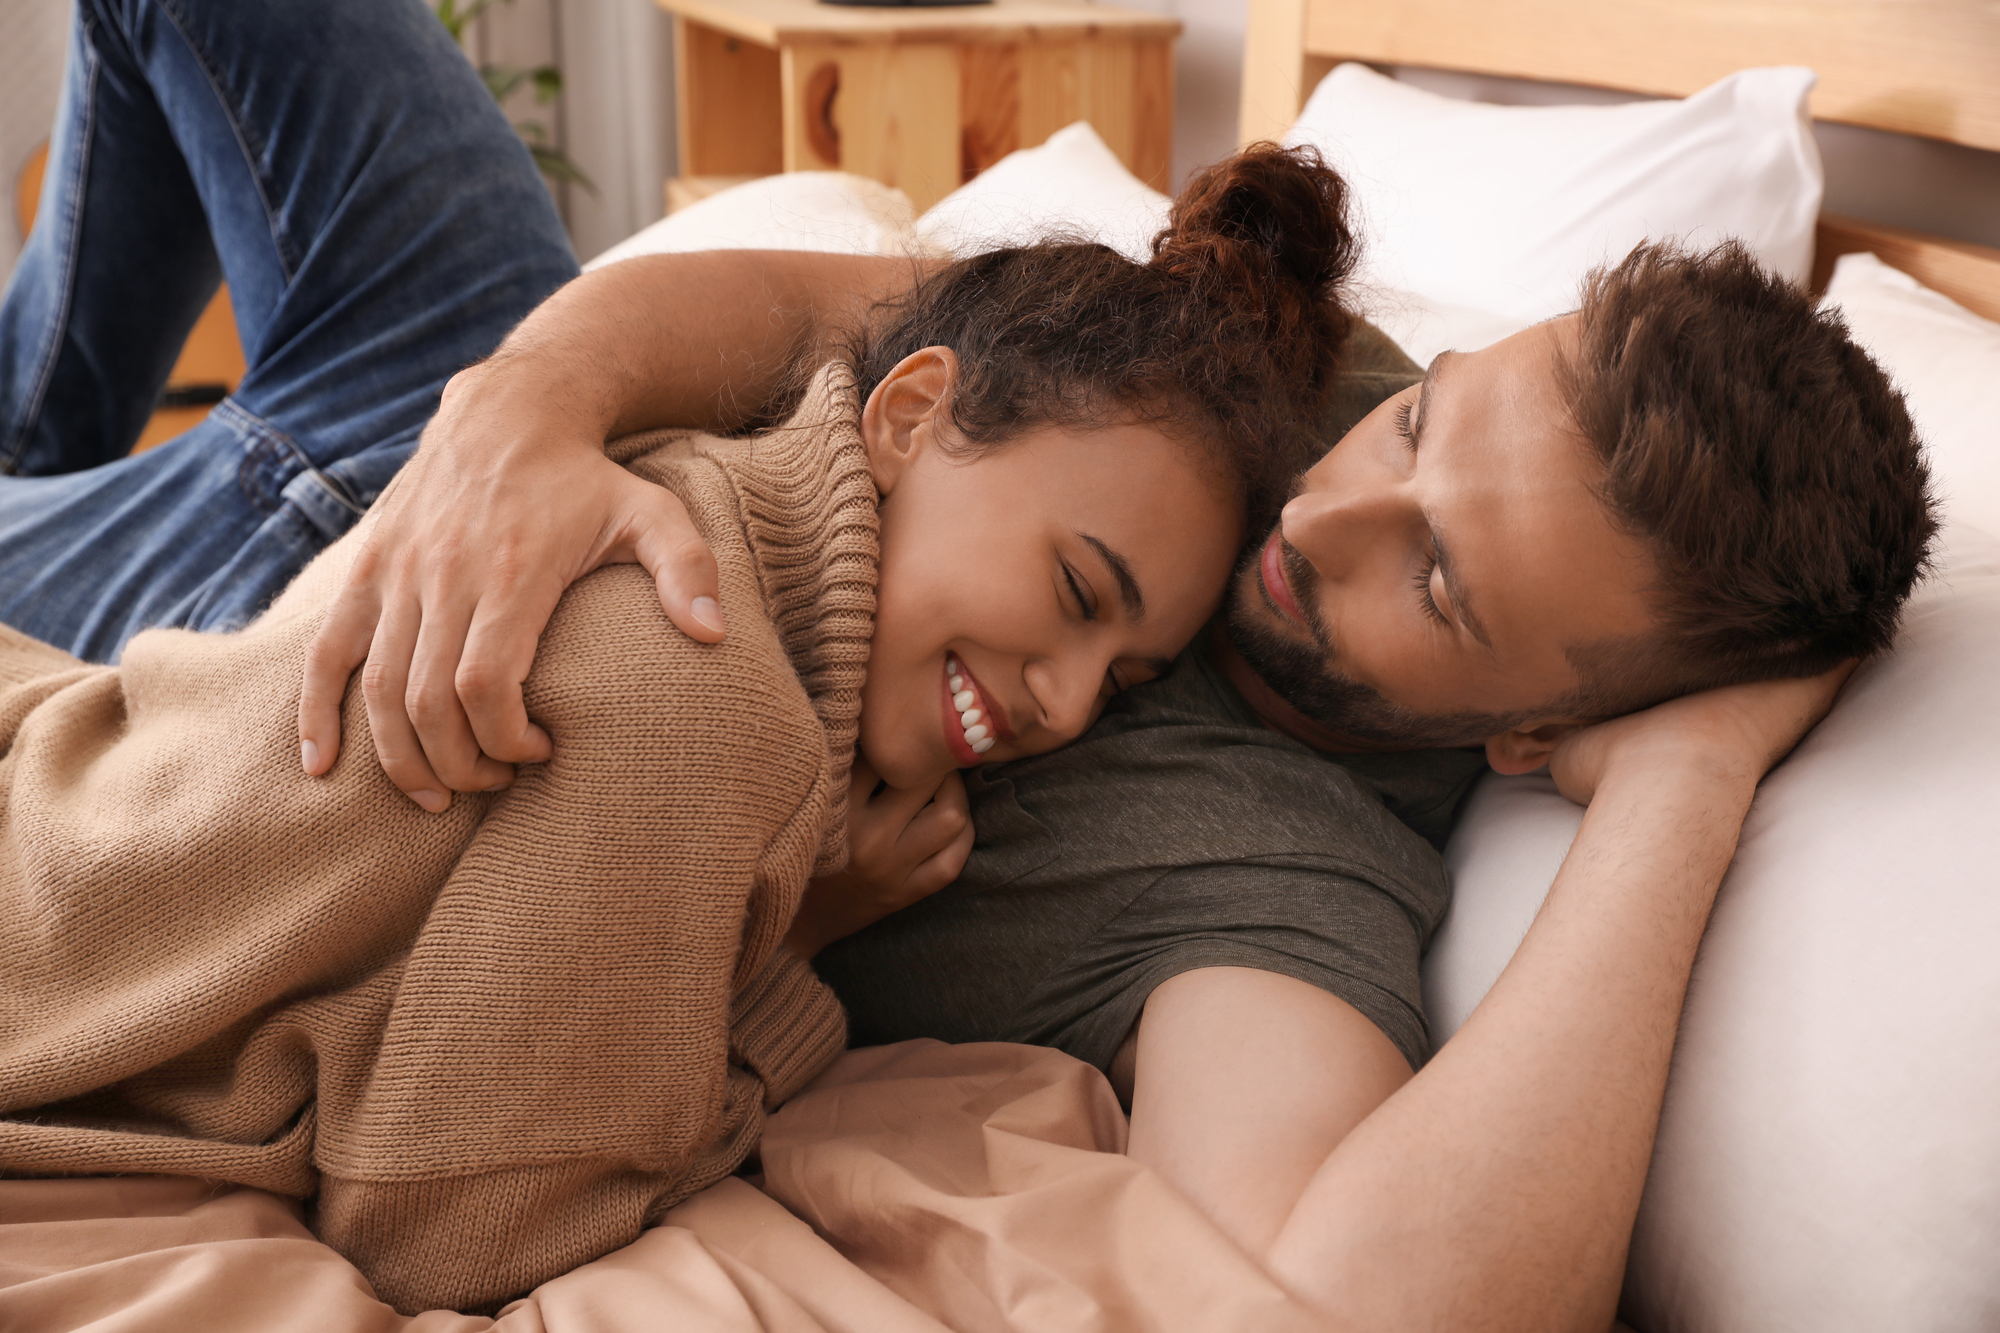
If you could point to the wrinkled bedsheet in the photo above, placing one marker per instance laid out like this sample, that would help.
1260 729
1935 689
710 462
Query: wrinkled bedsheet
912 1189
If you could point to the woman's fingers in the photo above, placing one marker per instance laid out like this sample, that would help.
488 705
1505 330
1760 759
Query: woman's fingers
944 865
938 839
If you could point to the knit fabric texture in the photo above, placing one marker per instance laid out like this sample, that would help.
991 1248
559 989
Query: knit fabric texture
487 1045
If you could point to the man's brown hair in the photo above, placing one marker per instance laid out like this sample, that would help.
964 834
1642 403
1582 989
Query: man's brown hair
1768 463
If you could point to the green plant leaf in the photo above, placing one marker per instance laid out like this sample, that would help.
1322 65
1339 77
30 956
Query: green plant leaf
456 19
501 79
555 164
548 83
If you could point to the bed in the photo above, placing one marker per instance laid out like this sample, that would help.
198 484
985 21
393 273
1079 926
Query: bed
1830 1153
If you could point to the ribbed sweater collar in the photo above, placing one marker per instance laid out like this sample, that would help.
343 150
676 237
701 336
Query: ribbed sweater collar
809 514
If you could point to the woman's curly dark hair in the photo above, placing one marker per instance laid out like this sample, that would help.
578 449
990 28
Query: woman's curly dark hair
1225 339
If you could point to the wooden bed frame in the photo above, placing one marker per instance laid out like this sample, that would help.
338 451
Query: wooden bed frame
1924 67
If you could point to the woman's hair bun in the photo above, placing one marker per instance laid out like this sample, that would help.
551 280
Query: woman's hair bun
1264 235
1266 205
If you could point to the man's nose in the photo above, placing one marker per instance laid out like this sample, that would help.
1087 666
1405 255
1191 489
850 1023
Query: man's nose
1331 525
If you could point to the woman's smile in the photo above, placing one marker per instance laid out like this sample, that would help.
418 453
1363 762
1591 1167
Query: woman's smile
972 726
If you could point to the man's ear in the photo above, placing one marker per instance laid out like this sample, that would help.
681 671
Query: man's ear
1526 749
902 417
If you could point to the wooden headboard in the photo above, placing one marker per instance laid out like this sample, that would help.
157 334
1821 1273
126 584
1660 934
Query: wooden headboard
1924 67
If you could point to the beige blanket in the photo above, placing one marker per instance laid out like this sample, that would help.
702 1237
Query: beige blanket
913 1189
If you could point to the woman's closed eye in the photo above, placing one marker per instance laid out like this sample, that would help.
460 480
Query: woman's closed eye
1080 589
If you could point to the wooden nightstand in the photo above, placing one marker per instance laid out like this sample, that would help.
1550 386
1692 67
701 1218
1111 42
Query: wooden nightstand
919 98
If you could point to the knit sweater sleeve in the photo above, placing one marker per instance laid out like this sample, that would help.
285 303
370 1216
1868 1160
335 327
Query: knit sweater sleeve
557 1065
493 1042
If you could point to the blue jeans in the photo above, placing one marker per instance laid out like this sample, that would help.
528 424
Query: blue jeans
380 227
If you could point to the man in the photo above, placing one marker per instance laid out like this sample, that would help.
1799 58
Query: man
1494 1188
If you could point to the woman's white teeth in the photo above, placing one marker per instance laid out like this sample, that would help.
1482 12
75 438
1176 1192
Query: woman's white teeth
978 737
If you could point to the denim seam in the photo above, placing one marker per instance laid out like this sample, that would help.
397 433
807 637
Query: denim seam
236 127
265 442
73 203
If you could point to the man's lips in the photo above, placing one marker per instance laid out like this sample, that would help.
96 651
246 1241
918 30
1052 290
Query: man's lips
1272 567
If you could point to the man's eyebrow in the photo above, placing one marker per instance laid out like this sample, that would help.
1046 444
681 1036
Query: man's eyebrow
1424 399
1453 588
1121 569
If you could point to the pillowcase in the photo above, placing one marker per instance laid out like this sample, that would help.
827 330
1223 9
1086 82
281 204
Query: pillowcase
1072 187
1829 1156
1504 208
833 212
1946 360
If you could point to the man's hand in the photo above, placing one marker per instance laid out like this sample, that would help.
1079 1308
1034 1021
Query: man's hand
903 845
1736 734
509 500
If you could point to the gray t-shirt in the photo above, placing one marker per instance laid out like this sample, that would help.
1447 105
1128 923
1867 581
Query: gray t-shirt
1179 833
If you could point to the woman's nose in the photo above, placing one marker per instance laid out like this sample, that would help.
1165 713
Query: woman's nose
1067 692
1331 525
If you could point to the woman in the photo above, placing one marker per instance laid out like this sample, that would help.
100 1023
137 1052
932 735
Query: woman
494 1043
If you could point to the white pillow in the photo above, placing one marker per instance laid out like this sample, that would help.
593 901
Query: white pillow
833 212
1829 1156
1073 186
1425 328
1504 208
1946 360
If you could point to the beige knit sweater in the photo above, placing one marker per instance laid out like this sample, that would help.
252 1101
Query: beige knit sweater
492 1044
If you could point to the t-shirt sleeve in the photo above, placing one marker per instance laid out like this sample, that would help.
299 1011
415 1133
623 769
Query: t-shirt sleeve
1297 916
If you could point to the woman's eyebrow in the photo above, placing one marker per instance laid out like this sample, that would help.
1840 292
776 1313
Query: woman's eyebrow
1121 569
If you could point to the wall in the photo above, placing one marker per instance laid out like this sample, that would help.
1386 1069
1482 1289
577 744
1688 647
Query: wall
615 118
1208 70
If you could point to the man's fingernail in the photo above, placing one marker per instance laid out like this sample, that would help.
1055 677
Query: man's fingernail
309 756
709 612
433 801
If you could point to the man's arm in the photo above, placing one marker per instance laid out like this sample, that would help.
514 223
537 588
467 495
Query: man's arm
510 498
1497 1188
1241 1082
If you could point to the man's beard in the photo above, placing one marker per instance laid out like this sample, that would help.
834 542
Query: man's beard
1307 677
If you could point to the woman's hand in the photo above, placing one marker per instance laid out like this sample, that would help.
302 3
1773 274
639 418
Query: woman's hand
509 500
1733 735
903 845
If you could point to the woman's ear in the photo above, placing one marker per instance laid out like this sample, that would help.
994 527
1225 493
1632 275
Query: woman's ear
1526 749
903 416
